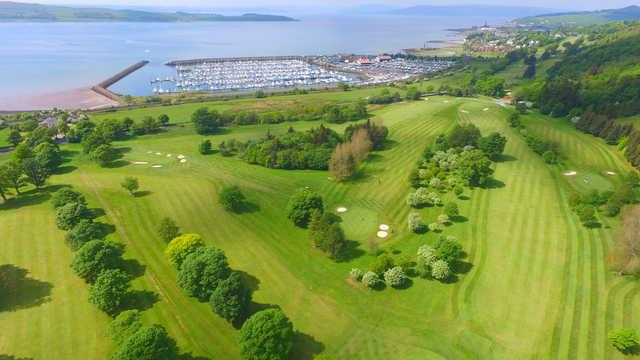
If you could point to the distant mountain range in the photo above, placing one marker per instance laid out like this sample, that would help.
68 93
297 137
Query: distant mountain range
494 11
23 12
581 17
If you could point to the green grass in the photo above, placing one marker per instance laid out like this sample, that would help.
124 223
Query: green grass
538 286
4 134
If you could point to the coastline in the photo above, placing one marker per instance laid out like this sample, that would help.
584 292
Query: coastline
80 98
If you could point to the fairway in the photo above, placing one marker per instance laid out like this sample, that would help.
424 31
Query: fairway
538 285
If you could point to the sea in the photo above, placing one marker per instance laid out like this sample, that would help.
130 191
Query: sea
38 58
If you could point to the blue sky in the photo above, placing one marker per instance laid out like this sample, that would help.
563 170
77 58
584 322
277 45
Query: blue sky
555 4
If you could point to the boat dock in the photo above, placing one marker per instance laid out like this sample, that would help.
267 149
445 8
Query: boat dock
236 59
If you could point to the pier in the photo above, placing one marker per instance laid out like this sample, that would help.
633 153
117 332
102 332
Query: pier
235 59
103 87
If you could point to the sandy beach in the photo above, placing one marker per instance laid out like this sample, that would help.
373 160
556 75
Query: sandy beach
81 98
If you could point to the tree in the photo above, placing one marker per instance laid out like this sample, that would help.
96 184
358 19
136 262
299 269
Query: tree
23 152
84 231
180 247
626 254
395 277
206 122
65 196
493 145
413 93
130 184
586 213
150 342
36 173
202 270
124 325
475 168
163 119
231 199
447 249
267 335
342 164
48 155
95 257
302 204
370 279
205 147
440 270
451 210
356 274
625 340
514 120
463 135
231 299
326 233
69 215
14 137
382 263
104 154
168 230
415 223
11 173
110 291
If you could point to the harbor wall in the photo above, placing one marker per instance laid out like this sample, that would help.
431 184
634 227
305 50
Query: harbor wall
103 87
253 58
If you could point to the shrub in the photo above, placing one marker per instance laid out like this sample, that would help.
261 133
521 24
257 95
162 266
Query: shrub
436 227
301 206
205 147
550 157
395 277
443 219
458 190
231 299
370 279
71 214
231 198
356 274
493 145
130 184
168 230
109 291
416 224
382 263
451 210
65 196
586 213
202 271
83 232
326 233
267 334
180 247
440 270
206 122
447 249
150 342
95 257
625 340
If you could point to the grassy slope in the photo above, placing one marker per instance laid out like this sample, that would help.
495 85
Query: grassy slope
538 286
4 133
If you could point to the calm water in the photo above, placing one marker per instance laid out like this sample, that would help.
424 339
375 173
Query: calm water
36 58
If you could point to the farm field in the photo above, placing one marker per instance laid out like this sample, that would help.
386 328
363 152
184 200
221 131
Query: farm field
538 285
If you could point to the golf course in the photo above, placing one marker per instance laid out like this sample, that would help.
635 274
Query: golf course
536 282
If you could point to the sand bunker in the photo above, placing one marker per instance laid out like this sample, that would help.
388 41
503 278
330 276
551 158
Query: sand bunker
446 101
149 152
156 166
611 173
464 111
169 155
183 161
159 153
382 234
181 157
341 209
485 109
384 227
141 163
570 173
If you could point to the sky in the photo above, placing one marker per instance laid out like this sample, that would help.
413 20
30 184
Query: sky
551 4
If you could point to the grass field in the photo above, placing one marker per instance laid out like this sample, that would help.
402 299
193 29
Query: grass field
538 286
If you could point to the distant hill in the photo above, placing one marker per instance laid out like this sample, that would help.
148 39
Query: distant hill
22 12
569 19
472 11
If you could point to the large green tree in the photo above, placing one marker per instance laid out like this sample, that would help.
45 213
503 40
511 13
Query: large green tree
36 172
231 299
95 257
151 342
206 122
202 270
267 335
302 205
83 232
110 291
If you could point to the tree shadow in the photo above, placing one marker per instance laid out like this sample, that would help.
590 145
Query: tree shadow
247 208
461 267
30 198
305 347
13 357
389 144
105 229
123 150
255 307
506 158
372 158
140 300
18 291
117 164
350 251
593 225
464 197
452 279
190 356
140 194
61 170
251 282
494 184
133 267
97 212
459 219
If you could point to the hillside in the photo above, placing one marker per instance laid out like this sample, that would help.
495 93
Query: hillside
23 12
494 11
570 19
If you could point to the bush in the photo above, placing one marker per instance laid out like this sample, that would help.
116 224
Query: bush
231 199
370 279
416 224
180 247
447 249
206 122
451 210
267 334
202 271
493 145
168 230
95 257
550 157
150 342
383 263
356 274
231 299
71 214
130 184
586 213
436 227
326 233
109 291
625 340
395 277
65 196
443 219
205 147
302 205
83 232
440 270
458 190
